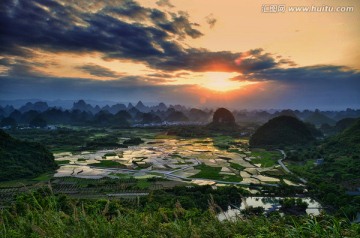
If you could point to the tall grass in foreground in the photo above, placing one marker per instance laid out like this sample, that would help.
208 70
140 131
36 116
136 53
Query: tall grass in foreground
34 215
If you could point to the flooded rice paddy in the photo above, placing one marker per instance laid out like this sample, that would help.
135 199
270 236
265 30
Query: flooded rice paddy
193 160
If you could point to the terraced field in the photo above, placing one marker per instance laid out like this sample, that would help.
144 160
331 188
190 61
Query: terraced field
199 161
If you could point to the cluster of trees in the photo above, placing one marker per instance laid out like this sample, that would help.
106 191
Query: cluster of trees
340 126
21 159
347 142
301 153
339 172
293 206
282 131
65 139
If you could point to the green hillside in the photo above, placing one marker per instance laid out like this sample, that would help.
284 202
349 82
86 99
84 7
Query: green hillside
347 142
281 131
21 159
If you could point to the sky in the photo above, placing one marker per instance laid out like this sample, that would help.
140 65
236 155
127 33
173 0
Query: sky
200 53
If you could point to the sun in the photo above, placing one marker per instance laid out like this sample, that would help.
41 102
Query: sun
220 81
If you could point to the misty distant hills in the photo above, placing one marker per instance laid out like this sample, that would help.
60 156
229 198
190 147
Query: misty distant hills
83 113
317 118
119 114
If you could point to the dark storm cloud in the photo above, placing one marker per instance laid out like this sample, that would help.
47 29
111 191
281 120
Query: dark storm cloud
51 26
129 9
309 75
21 67
256 60
203 60
199 60
181 27
98 70
322 86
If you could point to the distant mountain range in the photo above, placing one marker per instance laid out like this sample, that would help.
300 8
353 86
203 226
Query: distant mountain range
121 114
83 113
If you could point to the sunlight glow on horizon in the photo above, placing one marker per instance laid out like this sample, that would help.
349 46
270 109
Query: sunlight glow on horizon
221 81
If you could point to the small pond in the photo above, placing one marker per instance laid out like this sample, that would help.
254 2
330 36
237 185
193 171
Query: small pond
269 204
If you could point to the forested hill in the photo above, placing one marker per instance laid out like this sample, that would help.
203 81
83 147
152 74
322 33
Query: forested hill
281 131
347 142
22 159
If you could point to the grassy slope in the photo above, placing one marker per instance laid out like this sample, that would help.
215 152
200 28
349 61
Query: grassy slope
50 216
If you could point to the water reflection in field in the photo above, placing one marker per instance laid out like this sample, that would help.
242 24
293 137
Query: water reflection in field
269 204
178 157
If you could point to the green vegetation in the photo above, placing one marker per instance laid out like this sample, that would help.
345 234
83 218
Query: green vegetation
347 142
109 140
231 178
336 175
110 154
267 158
186 212
281 131
223 142
61 140
61 162
207 172
329 182
75 139
21 159
133 141
293 206
43 177
142 166
41 214
108 164
143 183
237 166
